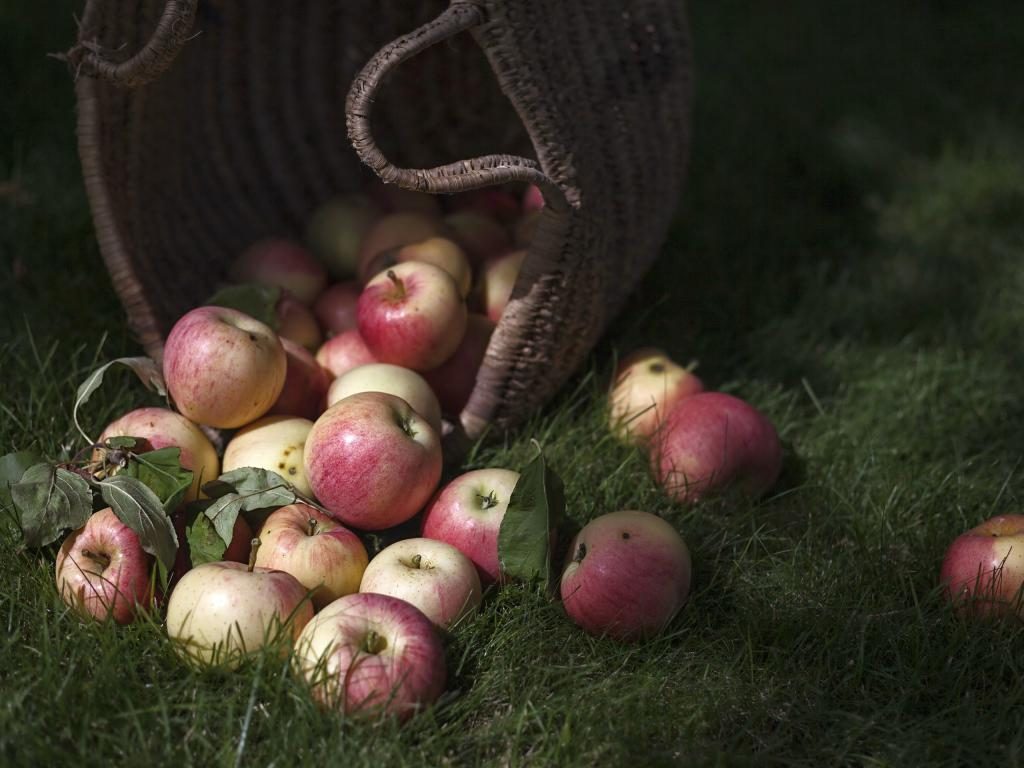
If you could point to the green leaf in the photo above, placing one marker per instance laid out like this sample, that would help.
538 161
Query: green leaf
50 501
12 468
162 473
256 300
121 442
535 510
147 370
247 489
204 543
140 509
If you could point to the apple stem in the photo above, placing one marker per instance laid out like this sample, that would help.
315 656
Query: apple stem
312 526
98 557
374 642
416 560
581 552
399 285
488 501
252 553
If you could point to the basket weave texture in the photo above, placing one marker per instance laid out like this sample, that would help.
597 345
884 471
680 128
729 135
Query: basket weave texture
204 126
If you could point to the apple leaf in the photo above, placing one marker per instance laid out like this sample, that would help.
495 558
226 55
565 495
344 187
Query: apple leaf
50 501
142 511
535 510
204 543
162 473
246 489
256 300
12 468
147 370
120 442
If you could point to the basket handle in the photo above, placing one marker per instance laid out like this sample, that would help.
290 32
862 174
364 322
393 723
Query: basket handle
489 170
172 31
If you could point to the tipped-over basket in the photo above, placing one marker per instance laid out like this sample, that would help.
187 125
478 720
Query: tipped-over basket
204 125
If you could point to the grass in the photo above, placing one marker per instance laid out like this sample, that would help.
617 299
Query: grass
848 257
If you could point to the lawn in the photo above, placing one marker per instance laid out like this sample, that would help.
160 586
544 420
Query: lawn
848 256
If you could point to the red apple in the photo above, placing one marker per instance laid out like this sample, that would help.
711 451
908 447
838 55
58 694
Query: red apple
412 315
344 352
480 235
305 384
467 514
222 367
368 654
372 461
983 569
498 280
284 264
453 381
711 441
627 577
647 384
163 428
102 571
325 556
295 321
221 612
336 229
335 308
533 200
394 380
434 576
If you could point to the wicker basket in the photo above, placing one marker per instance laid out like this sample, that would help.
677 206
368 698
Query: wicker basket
206 125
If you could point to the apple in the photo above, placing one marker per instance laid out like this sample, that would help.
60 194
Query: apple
439 251
221 612
368 654
275 443
282 263
498 280
305 384
163 428
296 321
983 570
710 441
627 577
480 235
412 315
395 199
491 201
453 381
222 367
344 352
432 575
467 514
335 308
646 385
372 461
103 572
393 379
396 230
533 199
325 556
336 229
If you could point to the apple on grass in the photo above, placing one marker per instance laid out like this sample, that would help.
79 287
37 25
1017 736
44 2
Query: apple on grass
412 315
394 380
467 514
305 384
453 381
372 461
983 569
432 575
439 251
103 572
344 352
335 230
628 575
371 655
221 612
646 385
163 428
280 262
711 441
275 443
325 556
222 367
335 309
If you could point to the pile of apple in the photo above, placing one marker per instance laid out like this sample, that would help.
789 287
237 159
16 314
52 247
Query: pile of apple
355 435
